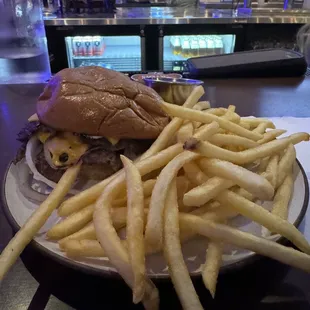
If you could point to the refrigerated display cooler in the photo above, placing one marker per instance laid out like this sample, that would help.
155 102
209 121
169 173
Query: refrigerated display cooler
120 53
178 48
139 48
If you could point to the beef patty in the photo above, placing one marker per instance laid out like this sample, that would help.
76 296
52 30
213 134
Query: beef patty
98 163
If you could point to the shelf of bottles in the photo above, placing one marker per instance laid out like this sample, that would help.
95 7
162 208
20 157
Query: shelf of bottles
177 49
120 53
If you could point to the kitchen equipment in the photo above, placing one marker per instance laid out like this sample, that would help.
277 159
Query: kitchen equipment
257 63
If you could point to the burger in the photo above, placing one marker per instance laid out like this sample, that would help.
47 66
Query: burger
90 114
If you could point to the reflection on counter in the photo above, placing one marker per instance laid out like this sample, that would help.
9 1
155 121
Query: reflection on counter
120 53
178 16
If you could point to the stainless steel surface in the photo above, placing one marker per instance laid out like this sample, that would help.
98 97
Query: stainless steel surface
171 80
172 89
161 52
173 16
143 59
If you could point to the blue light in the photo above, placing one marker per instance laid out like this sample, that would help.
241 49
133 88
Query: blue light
4 110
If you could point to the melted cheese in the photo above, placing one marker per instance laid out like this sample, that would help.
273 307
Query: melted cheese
113 141
33 118
43 136
65 143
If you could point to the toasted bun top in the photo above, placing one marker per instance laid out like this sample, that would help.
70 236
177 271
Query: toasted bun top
101 102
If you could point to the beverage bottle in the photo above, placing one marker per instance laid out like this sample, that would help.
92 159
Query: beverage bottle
185 44
23 46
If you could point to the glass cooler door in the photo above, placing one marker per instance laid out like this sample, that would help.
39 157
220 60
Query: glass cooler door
178 48
120 53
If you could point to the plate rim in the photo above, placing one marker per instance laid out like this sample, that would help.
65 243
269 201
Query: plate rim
233 267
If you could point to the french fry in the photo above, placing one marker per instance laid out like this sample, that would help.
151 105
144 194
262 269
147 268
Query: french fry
148 187
119 219
199 116
255 122
261 128
282 197
182 186
224 233
154 226
173 253
84 198
245 125
212 211
231 108
212 206
246 179
78 220
216 111
185 132
194 173
231 115
147 190
170 130
71 224
206 131
286 163
222 139
90 195
272 170
83 248
271 135
258 214
207 149
243 193
263 164
112 245
37 220
118 203
135 227
147 203
206 191
202 105
87 232
212 266
221 214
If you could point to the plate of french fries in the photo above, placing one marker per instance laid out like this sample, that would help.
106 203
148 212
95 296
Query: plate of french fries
213 190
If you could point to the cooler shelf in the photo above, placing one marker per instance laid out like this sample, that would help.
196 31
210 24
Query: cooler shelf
177 49
120 53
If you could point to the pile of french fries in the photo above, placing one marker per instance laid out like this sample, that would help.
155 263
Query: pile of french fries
206 167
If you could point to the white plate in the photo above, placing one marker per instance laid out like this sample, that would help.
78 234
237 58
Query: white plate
18 209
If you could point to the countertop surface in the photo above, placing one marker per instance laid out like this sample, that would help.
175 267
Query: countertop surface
21 290
181 15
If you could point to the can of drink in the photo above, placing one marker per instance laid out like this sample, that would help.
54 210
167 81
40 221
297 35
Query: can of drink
98 46
77 46
88 46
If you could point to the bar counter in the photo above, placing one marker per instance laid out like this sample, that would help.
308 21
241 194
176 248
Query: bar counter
36 286
179 16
